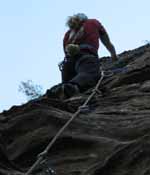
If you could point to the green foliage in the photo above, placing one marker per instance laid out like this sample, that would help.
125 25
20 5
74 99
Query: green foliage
30 90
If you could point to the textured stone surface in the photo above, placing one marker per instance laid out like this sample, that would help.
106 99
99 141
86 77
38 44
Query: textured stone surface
113 138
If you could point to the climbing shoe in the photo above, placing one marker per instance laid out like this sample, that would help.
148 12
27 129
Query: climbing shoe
54 91
63 91
70 89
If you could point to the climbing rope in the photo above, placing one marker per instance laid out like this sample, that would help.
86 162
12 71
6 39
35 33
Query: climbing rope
43 154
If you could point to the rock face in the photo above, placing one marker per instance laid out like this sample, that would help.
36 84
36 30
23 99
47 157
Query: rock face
113 138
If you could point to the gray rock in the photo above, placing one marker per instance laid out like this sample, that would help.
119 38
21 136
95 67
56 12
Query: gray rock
112 138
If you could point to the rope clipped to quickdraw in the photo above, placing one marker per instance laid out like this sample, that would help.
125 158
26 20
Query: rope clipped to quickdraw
43 154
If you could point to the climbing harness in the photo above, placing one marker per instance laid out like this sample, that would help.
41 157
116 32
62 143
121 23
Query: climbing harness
83 107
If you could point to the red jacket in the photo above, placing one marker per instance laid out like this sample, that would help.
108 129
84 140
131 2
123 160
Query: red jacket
92 31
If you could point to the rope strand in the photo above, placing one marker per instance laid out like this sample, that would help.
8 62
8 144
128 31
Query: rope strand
44 153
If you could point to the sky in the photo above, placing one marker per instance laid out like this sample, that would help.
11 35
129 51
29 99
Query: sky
31 34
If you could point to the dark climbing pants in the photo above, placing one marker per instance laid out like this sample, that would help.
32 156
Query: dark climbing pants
83 71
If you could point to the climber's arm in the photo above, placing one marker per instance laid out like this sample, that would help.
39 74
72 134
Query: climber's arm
107 43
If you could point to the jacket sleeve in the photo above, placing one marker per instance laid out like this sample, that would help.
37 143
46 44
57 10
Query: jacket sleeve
94 26
102 29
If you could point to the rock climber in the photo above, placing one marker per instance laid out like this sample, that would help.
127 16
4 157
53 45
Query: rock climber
80 68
